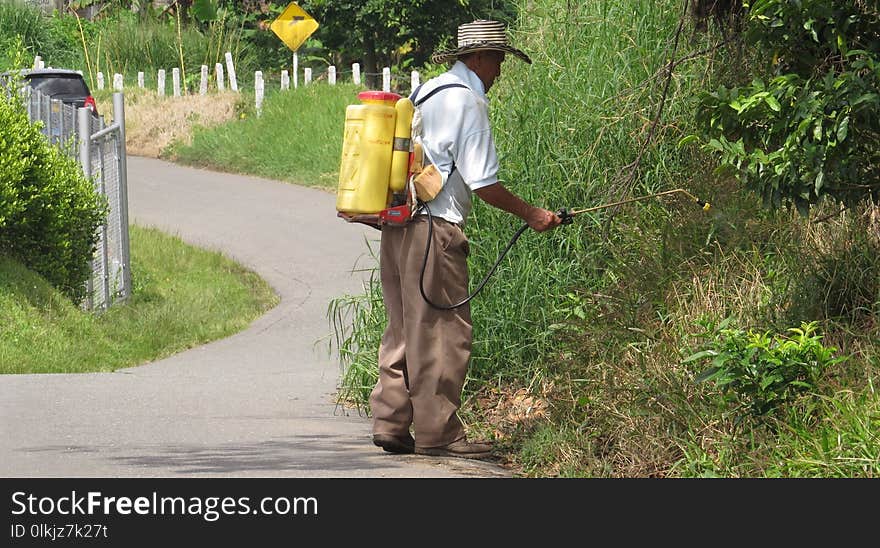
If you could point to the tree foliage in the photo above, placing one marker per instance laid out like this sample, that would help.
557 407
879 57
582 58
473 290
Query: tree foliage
807 127
376 32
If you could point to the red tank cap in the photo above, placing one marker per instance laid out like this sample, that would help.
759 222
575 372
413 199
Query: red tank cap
379 97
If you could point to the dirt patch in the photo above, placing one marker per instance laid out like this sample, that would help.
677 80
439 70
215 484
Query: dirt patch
153 122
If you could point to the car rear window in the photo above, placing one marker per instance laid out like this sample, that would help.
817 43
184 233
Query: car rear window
59 85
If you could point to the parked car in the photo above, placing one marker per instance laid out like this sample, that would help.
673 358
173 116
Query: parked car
67 85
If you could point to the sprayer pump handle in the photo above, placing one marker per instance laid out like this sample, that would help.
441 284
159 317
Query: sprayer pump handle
565 215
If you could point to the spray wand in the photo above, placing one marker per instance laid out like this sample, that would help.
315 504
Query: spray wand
567 217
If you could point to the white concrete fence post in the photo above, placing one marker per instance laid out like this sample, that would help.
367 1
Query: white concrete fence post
175 81
141 79
38 62
285 80
307 76
386 79
258 91
356 73
230 69
117 82
218 70
100 80
331 75
414 80
160 79
203 81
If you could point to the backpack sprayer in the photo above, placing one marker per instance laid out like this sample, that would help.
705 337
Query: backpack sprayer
380 163
377 160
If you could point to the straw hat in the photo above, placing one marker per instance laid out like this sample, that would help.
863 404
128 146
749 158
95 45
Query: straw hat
480 35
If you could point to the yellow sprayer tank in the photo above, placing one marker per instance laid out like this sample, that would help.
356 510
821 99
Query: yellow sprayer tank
366 153
402 139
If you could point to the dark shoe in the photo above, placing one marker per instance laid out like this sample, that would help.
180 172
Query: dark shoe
395 444
461 448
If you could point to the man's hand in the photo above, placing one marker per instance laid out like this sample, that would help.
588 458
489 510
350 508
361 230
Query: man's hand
541 219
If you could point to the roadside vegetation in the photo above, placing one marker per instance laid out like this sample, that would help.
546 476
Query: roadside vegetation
654 339
154 123
182 297
297 138
657 338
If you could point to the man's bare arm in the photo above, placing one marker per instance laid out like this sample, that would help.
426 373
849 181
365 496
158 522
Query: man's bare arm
538 218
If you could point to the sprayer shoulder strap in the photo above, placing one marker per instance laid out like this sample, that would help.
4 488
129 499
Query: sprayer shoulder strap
432 92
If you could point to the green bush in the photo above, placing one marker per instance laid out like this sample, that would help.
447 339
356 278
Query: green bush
759 372
806 127
49 212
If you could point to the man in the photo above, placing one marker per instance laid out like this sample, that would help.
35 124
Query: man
425 350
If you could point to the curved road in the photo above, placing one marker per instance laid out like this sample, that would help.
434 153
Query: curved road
258 403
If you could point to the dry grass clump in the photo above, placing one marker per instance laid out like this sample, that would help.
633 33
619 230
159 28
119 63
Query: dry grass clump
153 122
507 409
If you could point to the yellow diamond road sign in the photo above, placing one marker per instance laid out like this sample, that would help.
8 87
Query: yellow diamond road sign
294 26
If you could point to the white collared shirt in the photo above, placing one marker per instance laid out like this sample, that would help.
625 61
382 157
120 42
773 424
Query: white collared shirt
456 132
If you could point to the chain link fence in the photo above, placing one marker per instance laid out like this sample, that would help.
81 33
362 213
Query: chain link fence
100 149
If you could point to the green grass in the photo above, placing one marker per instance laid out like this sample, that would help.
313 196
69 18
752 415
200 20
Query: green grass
182 297
298 137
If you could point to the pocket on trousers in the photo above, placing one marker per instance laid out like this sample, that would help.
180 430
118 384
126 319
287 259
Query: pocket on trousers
445 235
457 242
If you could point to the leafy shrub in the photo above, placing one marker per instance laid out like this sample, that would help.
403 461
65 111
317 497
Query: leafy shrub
761 372
49 212
807 126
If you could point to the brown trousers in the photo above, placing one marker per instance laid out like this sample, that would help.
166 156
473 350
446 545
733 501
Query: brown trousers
425 352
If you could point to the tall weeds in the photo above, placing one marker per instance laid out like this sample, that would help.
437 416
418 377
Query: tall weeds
600 314
20 28
565 127
129 43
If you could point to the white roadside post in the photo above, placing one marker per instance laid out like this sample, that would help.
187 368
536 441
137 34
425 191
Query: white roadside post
218 70
386 79
258 91
100 80
203 81
285 80
295 70
307 76
230 68
141 79
331 75
356 73
175 81
160 79
117 82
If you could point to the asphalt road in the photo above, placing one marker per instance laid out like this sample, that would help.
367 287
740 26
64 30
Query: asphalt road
256 404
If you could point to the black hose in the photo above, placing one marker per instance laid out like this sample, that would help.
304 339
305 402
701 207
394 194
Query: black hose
482 283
